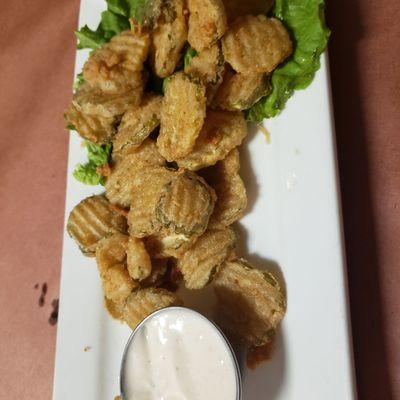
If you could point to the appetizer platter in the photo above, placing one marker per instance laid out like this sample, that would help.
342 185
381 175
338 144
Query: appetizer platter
199 174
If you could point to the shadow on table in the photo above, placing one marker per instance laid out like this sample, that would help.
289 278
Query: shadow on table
345 20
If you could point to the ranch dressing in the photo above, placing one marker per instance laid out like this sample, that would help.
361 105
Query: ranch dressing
177 354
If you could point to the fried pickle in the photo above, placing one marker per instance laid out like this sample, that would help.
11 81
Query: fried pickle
168 38
241 91
147 185
200 262
143 302
256 44
110 251
114 309
137 124
182 116
185 205
91 220
95 128
117 65
208 66
251 302
164 244
231 193
117 284
207 23
222 132
119 183
138 259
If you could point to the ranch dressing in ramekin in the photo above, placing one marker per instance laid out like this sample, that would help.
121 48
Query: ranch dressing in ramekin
178 354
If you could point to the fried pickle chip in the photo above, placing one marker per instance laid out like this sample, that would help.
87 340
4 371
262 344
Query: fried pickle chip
207 23
185 205
241 91
169 37
137 124
139 262
117 65
251 302
199 264
93 101
93 113
231 194
119 183
165 244
222 132
143 302
117 284
236 8
182 116
110 251
147 185
208 66
95 128
256 44
114 309
91 220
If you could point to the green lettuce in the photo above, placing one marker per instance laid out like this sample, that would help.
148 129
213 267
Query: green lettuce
189 55
305 21
98 155
116 19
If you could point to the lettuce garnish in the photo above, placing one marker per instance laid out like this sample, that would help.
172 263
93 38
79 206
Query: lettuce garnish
98 155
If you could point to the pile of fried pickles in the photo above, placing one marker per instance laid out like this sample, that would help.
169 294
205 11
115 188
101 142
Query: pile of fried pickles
173 188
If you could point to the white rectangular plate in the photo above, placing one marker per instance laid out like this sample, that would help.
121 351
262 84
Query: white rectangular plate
293 224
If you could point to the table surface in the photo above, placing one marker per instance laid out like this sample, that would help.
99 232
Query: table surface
37 58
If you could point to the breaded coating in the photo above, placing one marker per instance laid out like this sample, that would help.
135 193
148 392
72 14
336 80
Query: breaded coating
117 284
138 259
207 23
147 185
237 8
251 302
93 113
119 183
168 38
110 251
231 193
144 302
164 244
137 124
199 264
114 309
222 132
182 116
91 220
256 44
95 128
92 101
117 66
241 91
185 205
208 66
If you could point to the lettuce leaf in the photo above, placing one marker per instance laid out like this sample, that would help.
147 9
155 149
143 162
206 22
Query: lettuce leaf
189 55
116 19
305 21
98 155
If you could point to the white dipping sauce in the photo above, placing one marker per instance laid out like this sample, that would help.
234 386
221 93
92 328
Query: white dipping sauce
177 354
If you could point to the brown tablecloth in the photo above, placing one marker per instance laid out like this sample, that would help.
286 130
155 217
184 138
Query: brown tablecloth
37 50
